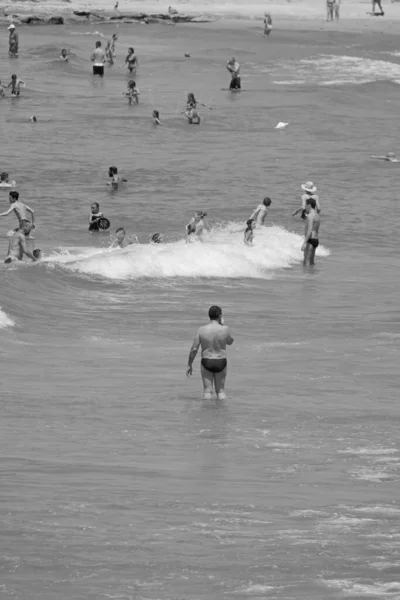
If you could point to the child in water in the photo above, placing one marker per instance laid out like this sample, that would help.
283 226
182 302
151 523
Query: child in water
249 232
267 23
132 92
156 117
115 178
5 182
15 85
191 109
94 216
64 55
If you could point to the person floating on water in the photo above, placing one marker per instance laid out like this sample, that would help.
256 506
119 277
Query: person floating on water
33 119
156 238
234 69
115 178
20 209
131 61
98 59
15 85
95 217
132 93
17 246
213 339
260 213
267 23
5 181
309 188
64 55
196 226
13 41
311 236
249 232
389 157
156 117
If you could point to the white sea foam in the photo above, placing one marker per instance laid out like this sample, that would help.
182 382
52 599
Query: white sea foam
222 255
334 70
5 320
354 588
369 451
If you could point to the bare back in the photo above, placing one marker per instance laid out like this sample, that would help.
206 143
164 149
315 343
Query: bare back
20 210
213 339
312 225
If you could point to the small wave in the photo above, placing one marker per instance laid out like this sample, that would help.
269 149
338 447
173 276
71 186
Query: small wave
5 320
364 589
369 451
222 255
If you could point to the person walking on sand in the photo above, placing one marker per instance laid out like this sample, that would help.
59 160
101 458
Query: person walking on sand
13 41
213 339
98 59
311 235
309 188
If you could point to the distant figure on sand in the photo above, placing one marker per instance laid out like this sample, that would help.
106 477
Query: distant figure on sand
196 226
15 85
20 209
234 69
213 339
377 2
156 117
267 23
17 246
260 213
131 61
132 93
98 59
249 232
309 188
13 41
64 55
390 157
311 236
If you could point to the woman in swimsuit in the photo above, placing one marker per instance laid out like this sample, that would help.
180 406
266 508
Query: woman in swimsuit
131 61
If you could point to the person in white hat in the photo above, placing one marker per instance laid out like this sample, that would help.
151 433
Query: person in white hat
309 188
13 41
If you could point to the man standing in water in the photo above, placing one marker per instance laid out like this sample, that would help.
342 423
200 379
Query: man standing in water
213 339
98 59
234 69
311 235
13 41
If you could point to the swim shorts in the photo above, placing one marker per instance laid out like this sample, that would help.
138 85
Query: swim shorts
94 226
98 70
313 243
235 84
214 365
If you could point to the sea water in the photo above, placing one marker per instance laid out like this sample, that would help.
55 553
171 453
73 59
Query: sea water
117 480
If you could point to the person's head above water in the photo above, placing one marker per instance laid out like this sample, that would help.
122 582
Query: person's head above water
112 171
156 238
63 52
190 97
13 77
200 214
215 313
311 202
98 44
131 50
115 36
131 84
33 119
309 187
156 114
267 201
4 176
120 234
13 196
95 206
232 60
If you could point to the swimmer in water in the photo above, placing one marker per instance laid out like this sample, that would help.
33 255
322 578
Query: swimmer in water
390 157
115 178
213 339
121 240
196 226
309 188
156 117
249 232
15 85
311 235
131 61
17 246
94 216
5 182
20 209
260 213
33 119
156 238
132 92
64 55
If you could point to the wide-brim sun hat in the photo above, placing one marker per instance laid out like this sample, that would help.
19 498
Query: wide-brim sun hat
309 187
12 26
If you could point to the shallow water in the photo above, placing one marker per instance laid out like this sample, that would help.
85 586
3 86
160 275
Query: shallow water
118 481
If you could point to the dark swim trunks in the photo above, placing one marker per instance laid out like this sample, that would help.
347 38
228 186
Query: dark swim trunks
98 70
214 365
313 243
235 84
94 226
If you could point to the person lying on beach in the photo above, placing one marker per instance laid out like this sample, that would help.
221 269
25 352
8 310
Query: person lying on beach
132 92
115 178
64 55
390 157
20 209
267 23
156 117
15 85
17 246
131 61
196 226
5 182
249 232
260 213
